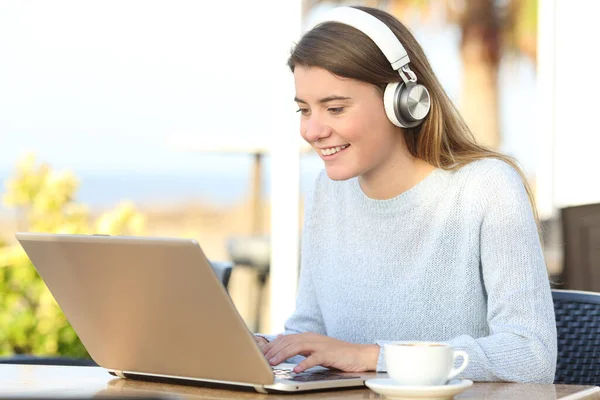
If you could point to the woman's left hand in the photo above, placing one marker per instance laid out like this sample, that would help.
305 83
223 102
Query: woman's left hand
322 350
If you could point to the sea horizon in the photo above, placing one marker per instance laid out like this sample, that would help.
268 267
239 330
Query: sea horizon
101 190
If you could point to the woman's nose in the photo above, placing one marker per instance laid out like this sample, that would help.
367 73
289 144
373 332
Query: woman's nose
315 130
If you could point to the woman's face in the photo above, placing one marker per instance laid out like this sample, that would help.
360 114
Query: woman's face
344 121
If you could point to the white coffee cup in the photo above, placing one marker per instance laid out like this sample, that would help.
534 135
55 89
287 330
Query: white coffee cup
423 363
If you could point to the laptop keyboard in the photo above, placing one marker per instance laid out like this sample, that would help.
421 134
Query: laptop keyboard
325 375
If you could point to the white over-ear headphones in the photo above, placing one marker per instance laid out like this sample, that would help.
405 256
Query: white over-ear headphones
406 103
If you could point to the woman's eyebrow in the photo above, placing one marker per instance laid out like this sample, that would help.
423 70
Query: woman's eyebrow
324 99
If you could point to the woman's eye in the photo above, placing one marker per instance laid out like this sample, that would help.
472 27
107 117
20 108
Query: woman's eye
335 110
303 111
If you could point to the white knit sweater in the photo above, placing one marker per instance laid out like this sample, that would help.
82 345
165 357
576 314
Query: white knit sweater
456 258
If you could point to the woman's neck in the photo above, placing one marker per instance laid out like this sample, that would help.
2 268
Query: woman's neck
395 178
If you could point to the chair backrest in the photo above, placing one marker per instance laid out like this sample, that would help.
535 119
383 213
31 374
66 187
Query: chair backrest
581 237
223 271
578 330
253 251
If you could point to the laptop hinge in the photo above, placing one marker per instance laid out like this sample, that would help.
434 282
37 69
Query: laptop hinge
120 374
260 389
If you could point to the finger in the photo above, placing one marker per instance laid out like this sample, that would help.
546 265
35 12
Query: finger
293 349
279 343
261 343
260 340
278 347
308 362
265 349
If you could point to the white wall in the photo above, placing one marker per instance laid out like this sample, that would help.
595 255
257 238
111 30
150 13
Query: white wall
285 165
568 131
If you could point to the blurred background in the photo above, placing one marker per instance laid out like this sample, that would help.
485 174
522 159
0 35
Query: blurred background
176 119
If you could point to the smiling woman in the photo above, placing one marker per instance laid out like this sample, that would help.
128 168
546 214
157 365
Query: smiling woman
354 117
413 231
330 151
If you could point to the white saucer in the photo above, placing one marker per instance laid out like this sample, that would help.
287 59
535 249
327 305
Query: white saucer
389 388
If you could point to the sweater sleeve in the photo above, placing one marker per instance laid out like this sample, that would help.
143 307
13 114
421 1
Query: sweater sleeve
522 344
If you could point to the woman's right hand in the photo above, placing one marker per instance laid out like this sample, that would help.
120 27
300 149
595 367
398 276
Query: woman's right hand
261 342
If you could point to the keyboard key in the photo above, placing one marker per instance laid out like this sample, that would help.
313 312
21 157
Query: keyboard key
310 376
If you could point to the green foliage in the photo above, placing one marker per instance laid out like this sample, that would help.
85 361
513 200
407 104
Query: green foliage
30 320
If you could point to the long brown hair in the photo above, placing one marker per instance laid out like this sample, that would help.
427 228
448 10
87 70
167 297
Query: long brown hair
444 140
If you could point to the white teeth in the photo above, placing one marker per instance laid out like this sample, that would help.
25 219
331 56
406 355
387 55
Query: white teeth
333 150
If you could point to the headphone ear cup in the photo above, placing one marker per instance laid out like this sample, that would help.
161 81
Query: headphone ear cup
389 103
406 105
414 103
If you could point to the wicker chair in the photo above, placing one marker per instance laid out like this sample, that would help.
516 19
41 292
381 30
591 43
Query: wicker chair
578 328
223 271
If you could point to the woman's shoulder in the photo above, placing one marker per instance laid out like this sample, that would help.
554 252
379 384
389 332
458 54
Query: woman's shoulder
490 171
493 182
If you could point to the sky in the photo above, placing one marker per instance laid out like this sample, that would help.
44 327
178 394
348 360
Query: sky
107 87
102 85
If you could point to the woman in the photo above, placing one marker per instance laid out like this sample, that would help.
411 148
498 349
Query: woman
413 232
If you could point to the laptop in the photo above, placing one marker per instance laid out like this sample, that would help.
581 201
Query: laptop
153 309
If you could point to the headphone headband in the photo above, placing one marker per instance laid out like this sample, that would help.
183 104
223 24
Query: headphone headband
376 30
406 104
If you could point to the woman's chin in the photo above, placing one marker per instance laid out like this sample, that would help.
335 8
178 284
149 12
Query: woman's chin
339 174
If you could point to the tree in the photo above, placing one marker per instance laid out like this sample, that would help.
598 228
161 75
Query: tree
30 320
